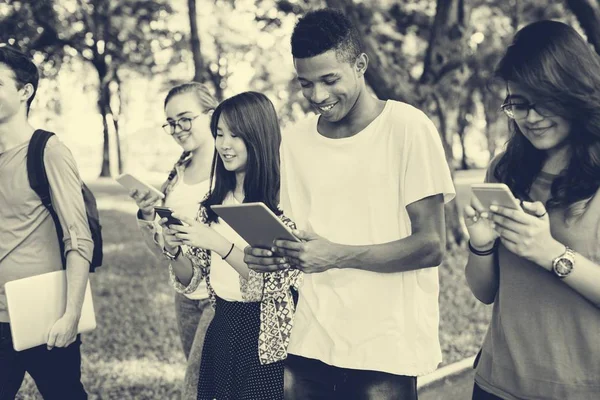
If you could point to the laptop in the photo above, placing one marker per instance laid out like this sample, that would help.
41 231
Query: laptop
37 302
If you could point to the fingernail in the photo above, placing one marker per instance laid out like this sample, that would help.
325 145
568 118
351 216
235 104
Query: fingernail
494 208
282 260
273 248
269 253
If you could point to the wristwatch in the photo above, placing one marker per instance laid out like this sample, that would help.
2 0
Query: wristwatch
564 264
170 256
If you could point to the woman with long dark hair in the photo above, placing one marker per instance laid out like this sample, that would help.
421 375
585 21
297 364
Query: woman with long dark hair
188 108
247 340
540 266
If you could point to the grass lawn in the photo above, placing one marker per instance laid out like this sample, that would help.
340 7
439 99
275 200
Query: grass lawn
135 351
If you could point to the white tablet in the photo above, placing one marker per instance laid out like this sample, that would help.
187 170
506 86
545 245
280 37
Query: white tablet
36 303
131 182
255 223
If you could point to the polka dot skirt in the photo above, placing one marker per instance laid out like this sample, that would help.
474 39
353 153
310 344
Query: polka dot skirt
230 369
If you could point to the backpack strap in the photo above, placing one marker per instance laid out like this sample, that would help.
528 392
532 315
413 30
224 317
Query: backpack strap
38 180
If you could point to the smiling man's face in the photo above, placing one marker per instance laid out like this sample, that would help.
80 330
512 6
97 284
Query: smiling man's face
331 86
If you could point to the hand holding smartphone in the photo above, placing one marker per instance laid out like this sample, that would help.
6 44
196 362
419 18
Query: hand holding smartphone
131 182
495 194
166 212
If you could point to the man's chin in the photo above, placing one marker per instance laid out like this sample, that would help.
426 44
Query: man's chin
330 117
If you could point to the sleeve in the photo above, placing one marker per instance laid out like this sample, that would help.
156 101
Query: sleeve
201 260
67 199
426 171
151 232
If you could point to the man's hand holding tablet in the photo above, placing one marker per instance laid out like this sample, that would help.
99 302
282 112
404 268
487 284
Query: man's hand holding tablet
273 246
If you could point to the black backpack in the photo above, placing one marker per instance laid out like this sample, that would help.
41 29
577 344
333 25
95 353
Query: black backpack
38 180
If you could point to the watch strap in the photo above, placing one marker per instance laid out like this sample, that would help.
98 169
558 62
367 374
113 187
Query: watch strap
171 256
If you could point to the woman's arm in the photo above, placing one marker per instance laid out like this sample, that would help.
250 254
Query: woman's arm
482 276
585 276
198 234
152 235
528 235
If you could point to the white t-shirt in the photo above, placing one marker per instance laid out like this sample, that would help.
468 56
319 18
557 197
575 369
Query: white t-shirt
354 191
185 200
224 279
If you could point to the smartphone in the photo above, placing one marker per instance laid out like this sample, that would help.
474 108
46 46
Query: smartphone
166 212
131 182
495 194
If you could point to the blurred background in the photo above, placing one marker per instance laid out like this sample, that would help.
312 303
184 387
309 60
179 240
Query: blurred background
107 65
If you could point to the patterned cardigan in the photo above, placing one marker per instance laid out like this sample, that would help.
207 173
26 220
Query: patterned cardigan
271 289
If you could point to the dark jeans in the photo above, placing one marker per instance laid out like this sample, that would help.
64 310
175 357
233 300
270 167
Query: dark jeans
56 372
480 394
308 379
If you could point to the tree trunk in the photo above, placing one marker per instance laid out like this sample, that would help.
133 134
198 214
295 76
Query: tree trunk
443 131
199 68
115 118
491 116
462 123
588 15
216 78
445 74
104 107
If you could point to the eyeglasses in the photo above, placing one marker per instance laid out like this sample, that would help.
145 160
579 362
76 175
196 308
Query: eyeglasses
521 110
184 123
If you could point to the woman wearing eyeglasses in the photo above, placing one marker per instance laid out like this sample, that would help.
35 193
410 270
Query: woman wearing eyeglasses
188 108
540 267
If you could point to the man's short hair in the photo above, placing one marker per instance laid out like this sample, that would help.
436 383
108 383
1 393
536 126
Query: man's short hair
23 67
322 30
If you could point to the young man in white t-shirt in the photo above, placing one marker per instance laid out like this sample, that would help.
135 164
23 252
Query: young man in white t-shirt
366 181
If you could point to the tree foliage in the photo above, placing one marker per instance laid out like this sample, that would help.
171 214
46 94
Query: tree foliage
114 36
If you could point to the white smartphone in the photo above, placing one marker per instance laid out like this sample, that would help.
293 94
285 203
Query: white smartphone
495 194
131 182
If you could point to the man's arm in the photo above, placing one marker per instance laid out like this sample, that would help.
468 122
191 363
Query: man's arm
67 200
424 248
64 331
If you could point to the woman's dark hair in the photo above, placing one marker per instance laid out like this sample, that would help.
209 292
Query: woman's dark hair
252 117
555 65
208 102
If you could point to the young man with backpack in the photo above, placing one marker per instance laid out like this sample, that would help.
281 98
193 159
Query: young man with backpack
29 244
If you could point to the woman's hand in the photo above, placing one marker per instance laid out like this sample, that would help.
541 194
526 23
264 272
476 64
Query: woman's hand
145 201
197 234
526 233
170 236
480 227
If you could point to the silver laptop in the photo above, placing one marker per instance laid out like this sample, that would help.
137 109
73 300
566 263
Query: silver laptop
36 303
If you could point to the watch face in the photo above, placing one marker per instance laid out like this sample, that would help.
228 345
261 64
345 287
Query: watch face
564 266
